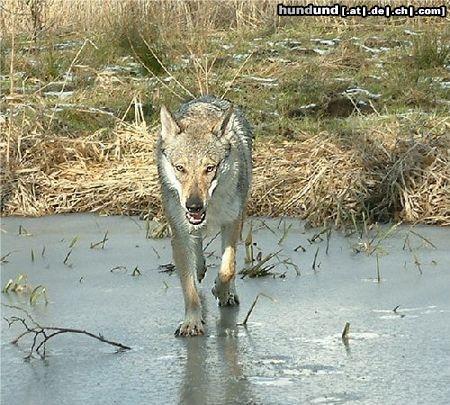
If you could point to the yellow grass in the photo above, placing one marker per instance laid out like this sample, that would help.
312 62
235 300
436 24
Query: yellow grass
319 178
173 17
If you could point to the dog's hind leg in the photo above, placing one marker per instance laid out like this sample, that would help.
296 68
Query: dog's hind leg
224 287
200 259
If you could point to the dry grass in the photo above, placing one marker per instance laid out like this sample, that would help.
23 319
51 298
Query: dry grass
175 15
381 177
59 174
390 165
320 178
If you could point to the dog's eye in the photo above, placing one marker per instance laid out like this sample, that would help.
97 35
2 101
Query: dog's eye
179 168
210 168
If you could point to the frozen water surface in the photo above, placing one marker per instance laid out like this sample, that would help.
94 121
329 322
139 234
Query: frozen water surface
291 350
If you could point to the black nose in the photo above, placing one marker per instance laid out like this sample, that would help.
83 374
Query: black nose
194 204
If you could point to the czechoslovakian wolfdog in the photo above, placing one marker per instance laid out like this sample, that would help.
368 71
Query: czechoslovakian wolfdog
204 158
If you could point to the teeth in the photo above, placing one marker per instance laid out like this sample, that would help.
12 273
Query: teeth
195 219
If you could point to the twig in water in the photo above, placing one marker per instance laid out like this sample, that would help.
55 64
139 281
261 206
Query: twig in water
102 242
417 263
67 256
318 236
136 272
3 258
264 225
39 291
156 253
285 232
259 269
244 323
167 268
407 243
74 240
383 237
23 231
117 268
423 238
315 258
289 262
346 331
19 285
47 332
396 312
378 270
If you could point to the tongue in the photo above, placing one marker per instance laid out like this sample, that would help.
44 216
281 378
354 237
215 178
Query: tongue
196 215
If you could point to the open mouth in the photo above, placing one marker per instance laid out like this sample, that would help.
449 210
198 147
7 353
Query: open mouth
196 218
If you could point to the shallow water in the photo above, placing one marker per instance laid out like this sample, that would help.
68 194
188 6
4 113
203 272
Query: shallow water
291 350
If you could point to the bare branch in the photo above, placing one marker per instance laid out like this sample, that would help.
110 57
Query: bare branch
47 332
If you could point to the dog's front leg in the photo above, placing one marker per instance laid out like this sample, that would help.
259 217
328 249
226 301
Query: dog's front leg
224 287
184 254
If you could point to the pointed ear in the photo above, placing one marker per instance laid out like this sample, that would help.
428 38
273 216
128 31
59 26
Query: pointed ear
169 126
220 128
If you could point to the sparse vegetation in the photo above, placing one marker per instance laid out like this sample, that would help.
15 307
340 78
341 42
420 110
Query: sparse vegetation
261 268
42 334
244 323
21 286
351 120
345 331
101 243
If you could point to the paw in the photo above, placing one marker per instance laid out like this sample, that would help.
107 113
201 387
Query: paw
231 301
192 327
225 297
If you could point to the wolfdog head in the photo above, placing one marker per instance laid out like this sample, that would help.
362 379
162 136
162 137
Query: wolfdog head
193 151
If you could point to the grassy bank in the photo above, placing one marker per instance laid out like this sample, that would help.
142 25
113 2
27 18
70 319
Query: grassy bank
351 116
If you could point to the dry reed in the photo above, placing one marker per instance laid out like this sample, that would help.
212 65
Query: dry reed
319 178
173 17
